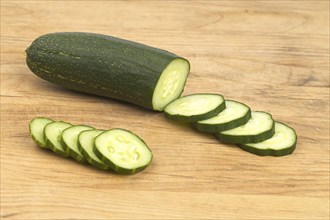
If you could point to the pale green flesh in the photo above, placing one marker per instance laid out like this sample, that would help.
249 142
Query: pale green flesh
259 122
86 140
70 137
53 133
123 149
37 126
233 110
170 84
284 137
196 104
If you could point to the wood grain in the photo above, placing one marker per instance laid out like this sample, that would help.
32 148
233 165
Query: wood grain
272 55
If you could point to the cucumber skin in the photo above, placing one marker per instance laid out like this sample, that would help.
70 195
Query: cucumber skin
268 152
53 148
72 153
117 169
232 139
209 128
41 145
195 118
271 152
93 162
100 65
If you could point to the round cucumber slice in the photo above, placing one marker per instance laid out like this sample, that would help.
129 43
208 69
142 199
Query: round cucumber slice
195 107
234 115
36 128
53 136
282 143
86 145
259 128
70 141
123 151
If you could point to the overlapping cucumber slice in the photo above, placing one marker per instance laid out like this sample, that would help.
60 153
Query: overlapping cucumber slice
86 146
195 107
53 136
283 142
123 151
70 141
235 114
36 128
260 127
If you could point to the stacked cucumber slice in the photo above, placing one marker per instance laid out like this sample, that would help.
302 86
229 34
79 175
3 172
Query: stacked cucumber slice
234 122
116 149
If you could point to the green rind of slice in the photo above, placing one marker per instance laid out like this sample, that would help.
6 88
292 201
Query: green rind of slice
282 143
53 137
227 119
70 141
260 127
123 151
36 128
86 145
195 107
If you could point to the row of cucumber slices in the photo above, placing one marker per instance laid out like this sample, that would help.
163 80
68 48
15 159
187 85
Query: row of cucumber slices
116 149
234 122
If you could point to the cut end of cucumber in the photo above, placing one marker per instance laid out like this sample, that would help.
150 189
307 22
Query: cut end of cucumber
123 151
171 83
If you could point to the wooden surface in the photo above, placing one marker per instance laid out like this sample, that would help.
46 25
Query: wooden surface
272 55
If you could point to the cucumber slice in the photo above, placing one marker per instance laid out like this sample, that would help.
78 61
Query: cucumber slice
195 107
36 128
282 143
235 114
259 128
53 136
85 146
123 151
70 141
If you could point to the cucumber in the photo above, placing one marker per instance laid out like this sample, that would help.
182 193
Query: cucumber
123 151
86 145
235 114
53 136
259 128
282 143
110 67
195 107
70 141
36 128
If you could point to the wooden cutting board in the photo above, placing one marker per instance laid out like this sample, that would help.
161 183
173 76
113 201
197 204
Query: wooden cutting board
271 55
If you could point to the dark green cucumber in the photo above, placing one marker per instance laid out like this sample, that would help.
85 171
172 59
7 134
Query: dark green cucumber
235 115
123 151
86 145
282 143
36 128
110 67
70 141
260 127
53 136
195 107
